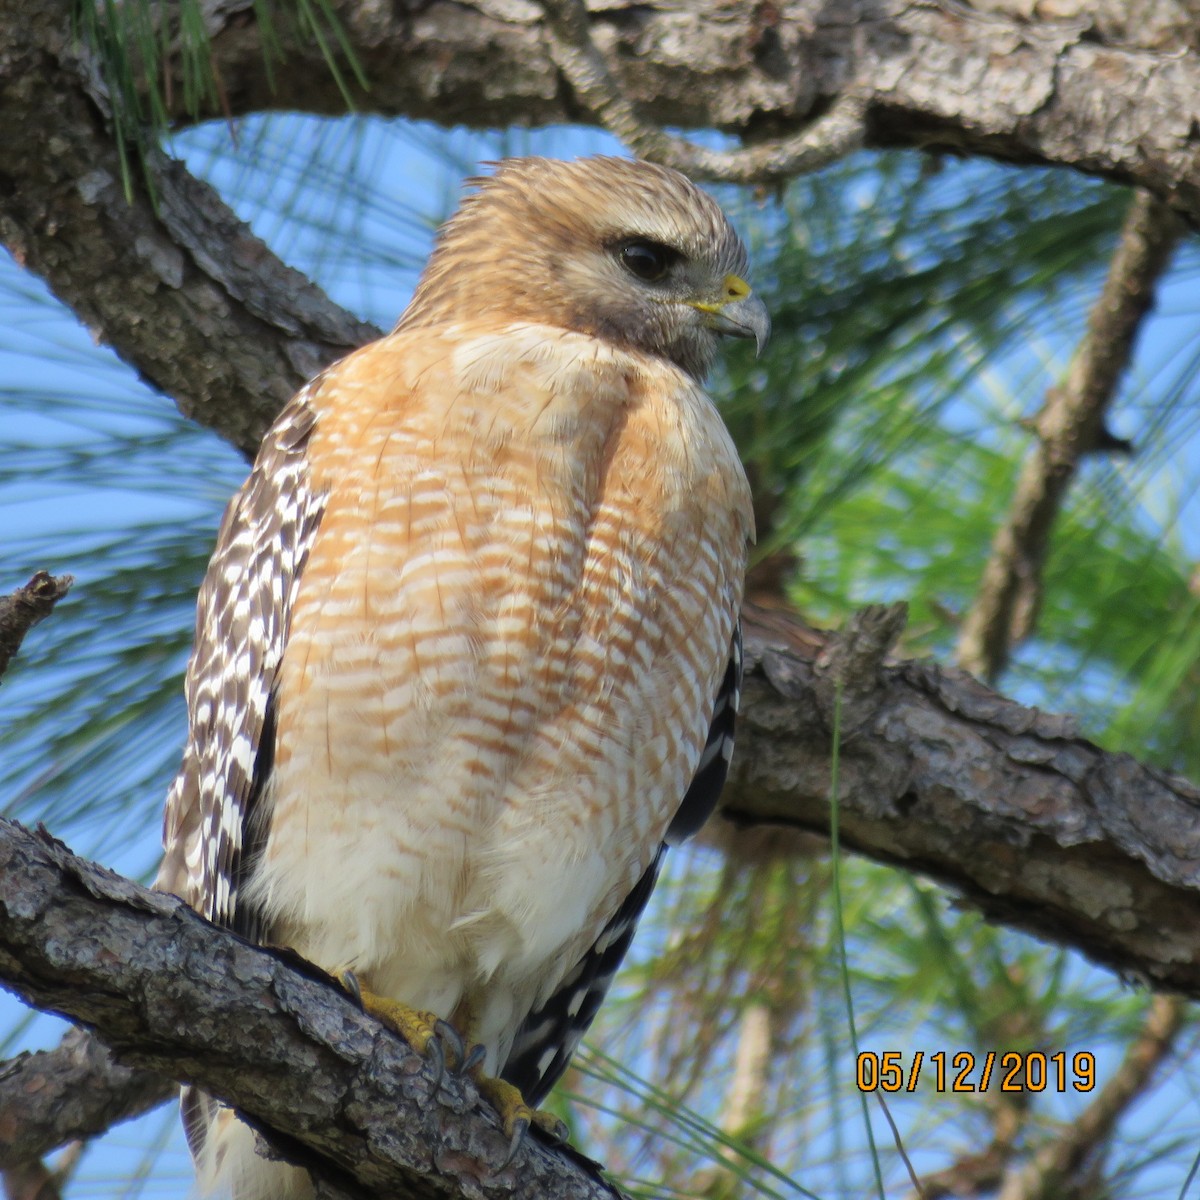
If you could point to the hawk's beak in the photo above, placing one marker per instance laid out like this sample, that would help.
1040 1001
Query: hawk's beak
739 313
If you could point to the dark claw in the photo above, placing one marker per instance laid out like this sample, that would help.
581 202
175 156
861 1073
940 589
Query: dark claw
350 982
437 1060
557 1132
449 1036
475 1057
520 1129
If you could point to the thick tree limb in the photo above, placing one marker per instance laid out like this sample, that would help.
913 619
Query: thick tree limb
324 1082
184 293
21 610
1069 426
202 310
1035 825
1092 849
1100 92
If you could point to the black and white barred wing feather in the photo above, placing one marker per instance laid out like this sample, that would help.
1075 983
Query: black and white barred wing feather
217 800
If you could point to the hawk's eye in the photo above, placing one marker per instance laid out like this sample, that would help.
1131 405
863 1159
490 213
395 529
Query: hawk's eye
647 260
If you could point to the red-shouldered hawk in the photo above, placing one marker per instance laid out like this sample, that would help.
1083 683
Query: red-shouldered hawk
467 654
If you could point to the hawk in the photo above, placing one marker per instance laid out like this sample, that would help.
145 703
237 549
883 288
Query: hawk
467 654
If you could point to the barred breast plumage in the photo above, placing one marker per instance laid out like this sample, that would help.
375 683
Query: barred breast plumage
467 656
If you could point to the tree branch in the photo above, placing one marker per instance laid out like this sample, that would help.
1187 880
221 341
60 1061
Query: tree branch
179 287
203 311
324 1083
1035 825
23 1175
1053 1173
830 137
1103 95
36 1181
21 610
76 1090
1070 425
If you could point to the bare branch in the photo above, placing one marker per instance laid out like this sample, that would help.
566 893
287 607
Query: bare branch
1052 1174
76 1090
182 291
23 609
1070 425
1035 825
1098 94
837 133
203 311
326 1084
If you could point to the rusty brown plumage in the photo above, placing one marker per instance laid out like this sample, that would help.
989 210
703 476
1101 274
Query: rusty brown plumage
466 653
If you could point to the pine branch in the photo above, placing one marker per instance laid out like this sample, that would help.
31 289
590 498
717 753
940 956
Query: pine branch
76 1090
830 137
1036 826
324 1083
36 1181
1053 1172
1033 824
1097 94
1070 425
202 310
173 281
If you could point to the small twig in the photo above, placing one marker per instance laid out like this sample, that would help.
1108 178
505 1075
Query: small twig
1051 1175
24 608
1070 425
848 669
978 1173
830 137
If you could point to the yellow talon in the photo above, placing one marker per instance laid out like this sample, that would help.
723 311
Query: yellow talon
429 1035
419 1029
515 1115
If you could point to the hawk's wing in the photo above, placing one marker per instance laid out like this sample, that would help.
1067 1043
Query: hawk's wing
215 808
550 1034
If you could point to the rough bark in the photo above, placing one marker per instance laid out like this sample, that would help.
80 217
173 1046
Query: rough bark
76 1090
202 310
174 283
1035 825
325 1083
1096 89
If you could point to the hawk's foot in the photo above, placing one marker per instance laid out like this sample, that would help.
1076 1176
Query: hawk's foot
424 1031
515 1115
446 1049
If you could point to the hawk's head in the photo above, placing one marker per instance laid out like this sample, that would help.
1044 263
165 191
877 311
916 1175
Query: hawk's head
628 251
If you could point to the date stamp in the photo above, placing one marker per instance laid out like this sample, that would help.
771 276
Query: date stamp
968 1071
